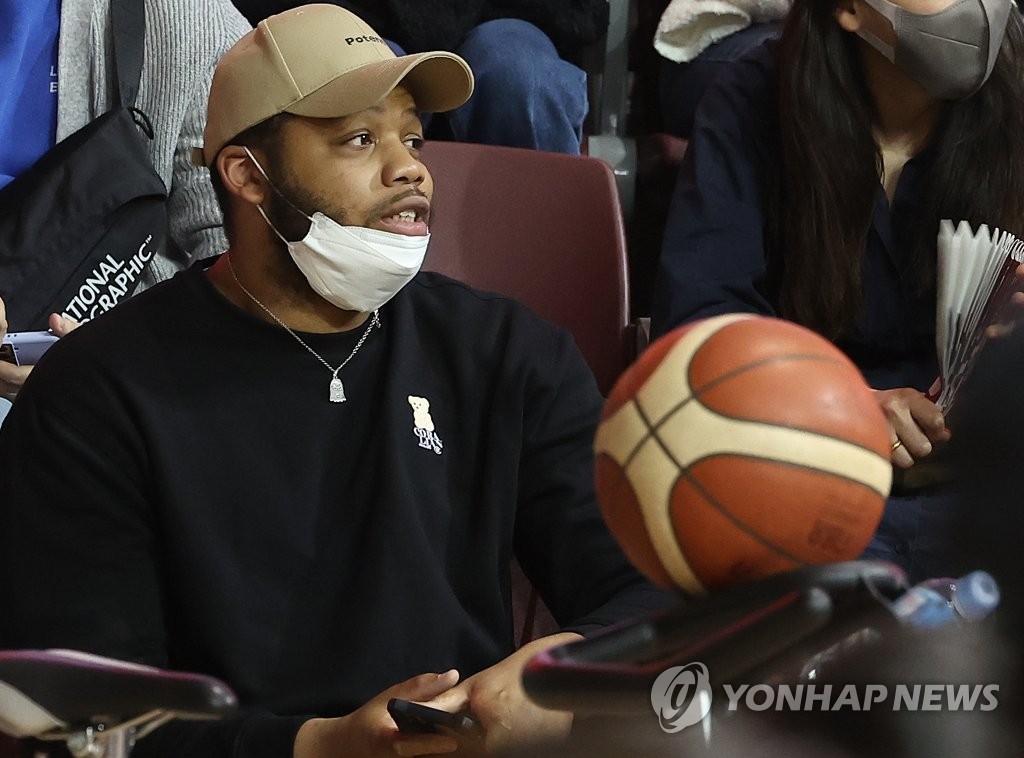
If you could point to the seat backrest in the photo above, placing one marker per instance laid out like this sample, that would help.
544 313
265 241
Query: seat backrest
543 228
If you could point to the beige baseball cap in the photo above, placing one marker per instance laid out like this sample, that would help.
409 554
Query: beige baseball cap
321 61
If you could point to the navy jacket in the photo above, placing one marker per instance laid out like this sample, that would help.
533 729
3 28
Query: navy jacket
713 258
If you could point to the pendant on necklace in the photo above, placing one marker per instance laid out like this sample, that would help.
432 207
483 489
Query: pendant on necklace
337 391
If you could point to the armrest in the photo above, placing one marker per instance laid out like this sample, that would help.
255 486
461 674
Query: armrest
46 690
643 334
774 623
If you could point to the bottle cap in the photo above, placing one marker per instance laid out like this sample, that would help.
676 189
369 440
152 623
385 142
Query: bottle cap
976 596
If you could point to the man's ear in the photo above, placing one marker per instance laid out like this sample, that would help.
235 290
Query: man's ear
849 15
240 176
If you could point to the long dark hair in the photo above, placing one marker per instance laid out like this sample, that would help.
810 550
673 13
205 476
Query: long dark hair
820 201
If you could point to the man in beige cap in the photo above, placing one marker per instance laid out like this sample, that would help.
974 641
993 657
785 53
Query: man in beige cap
306 467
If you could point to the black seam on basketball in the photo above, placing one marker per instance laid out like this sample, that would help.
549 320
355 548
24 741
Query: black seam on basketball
725 377
652 430
650 433
791 464
734 519
697 392
685 474
625 483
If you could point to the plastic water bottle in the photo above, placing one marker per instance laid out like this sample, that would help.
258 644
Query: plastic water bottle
931 604
973 596
939 602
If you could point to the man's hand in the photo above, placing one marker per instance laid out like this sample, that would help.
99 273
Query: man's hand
915 424
370 732
495 698
13 377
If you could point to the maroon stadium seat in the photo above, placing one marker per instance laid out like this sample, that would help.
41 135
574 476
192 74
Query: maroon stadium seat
543 228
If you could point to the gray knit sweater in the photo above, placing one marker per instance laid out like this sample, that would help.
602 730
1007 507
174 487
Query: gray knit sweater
184 41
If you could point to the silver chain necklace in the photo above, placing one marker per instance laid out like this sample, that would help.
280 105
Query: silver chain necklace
337 392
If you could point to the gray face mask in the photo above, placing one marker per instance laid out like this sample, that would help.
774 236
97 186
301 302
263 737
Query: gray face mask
950 53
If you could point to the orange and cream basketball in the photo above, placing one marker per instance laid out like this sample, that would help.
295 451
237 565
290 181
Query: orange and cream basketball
737 447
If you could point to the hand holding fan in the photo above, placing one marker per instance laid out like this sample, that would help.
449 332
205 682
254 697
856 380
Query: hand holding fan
976 279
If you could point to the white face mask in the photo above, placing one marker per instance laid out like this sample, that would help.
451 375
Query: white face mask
352 267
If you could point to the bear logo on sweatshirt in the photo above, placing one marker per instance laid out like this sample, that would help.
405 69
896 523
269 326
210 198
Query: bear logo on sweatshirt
423 424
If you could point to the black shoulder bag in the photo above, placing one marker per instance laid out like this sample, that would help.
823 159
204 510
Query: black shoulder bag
79 227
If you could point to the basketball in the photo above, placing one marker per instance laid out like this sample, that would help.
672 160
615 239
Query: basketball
737 447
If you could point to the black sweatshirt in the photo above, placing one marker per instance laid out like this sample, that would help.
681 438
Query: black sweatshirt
177 490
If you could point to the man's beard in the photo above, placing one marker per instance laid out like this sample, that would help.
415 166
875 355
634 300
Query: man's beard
286 205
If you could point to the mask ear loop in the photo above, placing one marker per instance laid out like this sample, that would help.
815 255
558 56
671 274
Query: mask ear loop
280 194
889 11
272 227
995 40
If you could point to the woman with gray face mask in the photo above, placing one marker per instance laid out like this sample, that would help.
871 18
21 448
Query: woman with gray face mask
817 173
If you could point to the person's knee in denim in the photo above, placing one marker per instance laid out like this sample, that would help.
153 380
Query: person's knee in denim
526 95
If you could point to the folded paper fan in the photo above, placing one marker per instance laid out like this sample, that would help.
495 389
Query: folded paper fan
975 282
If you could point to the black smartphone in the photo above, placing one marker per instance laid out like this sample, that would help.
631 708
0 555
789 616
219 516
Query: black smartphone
414 718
